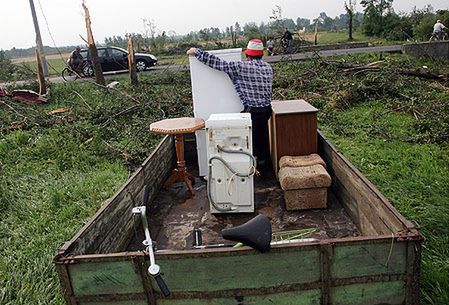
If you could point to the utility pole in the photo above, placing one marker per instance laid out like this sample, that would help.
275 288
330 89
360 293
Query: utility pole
39 45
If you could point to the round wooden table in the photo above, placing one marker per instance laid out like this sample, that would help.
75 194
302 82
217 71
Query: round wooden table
178 127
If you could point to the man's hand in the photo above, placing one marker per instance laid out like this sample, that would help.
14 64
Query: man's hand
191 51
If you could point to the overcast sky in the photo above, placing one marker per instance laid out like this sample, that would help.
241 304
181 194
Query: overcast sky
117 17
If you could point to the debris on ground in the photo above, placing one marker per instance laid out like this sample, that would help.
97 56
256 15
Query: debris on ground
58 110
26 96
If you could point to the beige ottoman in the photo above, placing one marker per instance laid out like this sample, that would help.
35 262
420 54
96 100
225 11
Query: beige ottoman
300 161
305 187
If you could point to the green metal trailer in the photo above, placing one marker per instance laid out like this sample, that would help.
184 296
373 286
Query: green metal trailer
380 265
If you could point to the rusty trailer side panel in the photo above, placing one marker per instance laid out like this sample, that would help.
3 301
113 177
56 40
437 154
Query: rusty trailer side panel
379 267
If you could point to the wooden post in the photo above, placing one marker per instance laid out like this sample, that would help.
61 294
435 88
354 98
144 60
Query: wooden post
316 32
40 74
131 62
99 77
39 45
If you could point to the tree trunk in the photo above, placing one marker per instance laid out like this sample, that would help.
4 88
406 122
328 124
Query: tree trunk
99 77
40 74
233 37
351 17
131 62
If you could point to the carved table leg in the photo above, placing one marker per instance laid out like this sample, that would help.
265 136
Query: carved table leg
180 174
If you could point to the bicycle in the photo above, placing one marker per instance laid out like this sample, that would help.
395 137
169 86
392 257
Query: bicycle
284 46
440 37
70 74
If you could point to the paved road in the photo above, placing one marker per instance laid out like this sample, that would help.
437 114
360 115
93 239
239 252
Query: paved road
330 53
271 59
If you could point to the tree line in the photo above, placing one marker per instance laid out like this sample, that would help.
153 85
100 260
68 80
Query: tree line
377 18
26 52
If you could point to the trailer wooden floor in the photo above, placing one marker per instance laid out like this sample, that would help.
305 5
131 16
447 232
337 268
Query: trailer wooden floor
172 217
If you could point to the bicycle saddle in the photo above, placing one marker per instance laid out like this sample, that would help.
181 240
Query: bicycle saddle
255 233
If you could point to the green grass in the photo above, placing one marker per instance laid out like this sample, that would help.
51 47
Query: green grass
342 36
57 170
53 185
55 66
172 60
414 177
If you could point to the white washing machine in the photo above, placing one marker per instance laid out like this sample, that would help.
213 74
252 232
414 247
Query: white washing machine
231 165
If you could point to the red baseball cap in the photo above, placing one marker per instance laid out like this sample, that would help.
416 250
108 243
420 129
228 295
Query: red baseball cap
254 48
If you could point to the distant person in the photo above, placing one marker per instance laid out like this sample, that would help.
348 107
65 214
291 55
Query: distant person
270 46
253 81
76 60
288 39
438 30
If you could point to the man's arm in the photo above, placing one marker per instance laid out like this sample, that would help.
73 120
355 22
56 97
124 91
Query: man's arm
231 68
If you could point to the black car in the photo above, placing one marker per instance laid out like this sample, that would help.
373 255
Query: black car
116 59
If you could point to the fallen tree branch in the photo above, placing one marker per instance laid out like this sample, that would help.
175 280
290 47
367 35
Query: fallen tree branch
425 74
13 109
121 92
16 126
126 111
84 101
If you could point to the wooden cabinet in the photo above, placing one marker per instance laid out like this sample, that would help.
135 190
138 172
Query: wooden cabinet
293 130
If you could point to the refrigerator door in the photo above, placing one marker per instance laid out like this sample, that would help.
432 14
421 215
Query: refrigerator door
212 92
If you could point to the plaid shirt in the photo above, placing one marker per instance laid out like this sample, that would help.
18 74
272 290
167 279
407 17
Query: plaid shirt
252 79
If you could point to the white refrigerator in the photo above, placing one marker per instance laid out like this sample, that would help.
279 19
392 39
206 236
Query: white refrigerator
212 92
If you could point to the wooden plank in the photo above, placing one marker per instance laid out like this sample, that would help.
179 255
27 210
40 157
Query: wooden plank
362 221
154 174
254 270
366 197
325 263
369 259
141 267
66 285
105 278
352 198
391 293
307 297
108 230
413 272
356 202
132 302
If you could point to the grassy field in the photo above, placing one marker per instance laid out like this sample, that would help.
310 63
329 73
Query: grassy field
342 36
55 63
57 169
414 177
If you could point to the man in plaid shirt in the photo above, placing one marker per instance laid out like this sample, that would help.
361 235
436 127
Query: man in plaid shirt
252 79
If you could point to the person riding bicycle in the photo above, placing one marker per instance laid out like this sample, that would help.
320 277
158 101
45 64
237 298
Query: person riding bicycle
438 30
76 60
287 39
